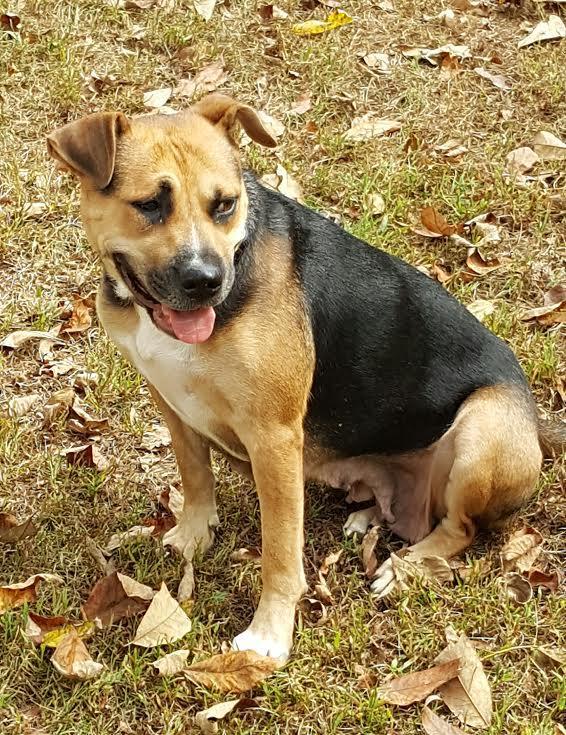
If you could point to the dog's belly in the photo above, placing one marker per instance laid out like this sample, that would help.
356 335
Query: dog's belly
177 370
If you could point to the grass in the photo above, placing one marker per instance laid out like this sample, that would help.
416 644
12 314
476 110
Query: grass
45 259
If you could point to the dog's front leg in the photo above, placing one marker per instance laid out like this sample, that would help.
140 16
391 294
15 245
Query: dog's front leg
277 465
199 516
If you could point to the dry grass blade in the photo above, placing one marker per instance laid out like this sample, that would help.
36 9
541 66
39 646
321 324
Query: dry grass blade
435 725
236 671
415 687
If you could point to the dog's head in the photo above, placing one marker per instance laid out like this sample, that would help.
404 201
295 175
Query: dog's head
164 204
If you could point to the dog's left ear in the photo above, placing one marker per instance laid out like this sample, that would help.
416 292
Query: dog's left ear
87 147
225 112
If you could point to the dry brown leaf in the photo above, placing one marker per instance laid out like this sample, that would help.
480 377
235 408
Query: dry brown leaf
548 147
547 30
481 309
15 340
72 659
272 12
86 424
105 565
369 126
79 318
322 592
451 148
520 160
480 265
550 658
10 21
156 98
329 561
86 455
20 405
208 79
236 671
520 552
435 725
301 105
172 663
114 597
207 720
518 588
468 696
415 687
173 500
369 559
146 4
58 405
543 579
434 224
449 67
164 622
242 555
16 595
440 273
156 438
11 531
205 8
379 62
434 55
498 80
118 539
376 204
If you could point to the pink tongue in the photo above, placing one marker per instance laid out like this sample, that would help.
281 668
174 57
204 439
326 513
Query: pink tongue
191 327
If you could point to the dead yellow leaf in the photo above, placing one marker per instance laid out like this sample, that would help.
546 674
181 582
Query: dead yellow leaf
16 595
520 552
415 687
72 659
79 318
50 631
236 671
164 622
335 19
468 696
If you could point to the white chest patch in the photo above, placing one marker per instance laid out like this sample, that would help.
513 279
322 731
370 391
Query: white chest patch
173 368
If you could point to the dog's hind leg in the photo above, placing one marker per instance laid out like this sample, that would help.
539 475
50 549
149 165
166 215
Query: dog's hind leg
495 464
194 528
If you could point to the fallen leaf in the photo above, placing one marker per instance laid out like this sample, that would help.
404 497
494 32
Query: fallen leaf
34 210
552 312
204 8
173 500
378 62
369 559
498 80
114 597
156 98
368 126
11 531
366 679
164 622
289 186
548 147
322 592
79 319
434 224
272 12
542 579
208 79
50 631
452 148
236 671
435 725
434 56
431 569
86 379
242 555
118 539
207 720
15 595
520 160
335 19
20 405
86 424
58 405
86 455
440 273
449 66
550 658
329 561
10 21
98 82
72 659
488 232
481 308
301 105
521 550
546 30
147 4
314 610
15 340
517 587
480 265
172 663
376 204
468 696
415 687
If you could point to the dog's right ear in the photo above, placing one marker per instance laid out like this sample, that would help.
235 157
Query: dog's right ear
87 147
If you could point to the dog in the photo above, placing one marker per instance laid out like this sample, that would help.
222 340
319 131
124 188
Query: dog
267 332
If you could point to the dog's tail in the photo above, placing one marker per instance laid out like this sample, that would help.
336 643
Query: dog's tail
552 437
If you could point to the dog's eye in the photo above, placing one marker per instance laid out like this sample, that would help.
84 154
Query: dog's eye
150 208
225 207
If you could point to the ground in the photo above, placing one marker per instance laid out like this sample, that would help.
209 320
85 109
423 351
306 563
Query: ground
47 62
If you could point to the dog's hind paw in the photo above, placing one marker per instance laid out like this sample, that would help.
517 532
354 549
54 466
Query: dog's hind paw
384 582
359 521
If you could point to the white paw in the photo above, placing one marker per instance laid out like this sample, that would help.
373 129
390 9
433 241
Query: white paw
192 532
385 580
359 521
264 646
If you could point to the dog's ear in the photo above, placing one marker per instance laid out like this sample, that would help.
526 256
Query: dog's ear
87 147
225 112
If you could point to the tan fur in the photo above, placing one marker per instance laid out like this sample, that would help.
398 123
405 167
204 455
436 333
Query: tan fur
255 374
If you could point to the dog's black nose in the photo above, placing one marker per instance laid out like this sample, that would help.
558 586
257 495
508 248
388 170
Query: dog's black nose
200 277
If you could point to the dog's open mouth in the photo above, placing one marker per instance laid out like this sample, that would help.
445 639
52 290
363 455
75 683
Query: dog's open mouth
193 327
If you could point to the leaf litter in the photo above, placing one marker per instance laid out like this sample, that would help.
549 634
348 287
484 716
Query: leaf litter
12 531
235 671
164 622
72 659
207 720
115 597
415 687
16 595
